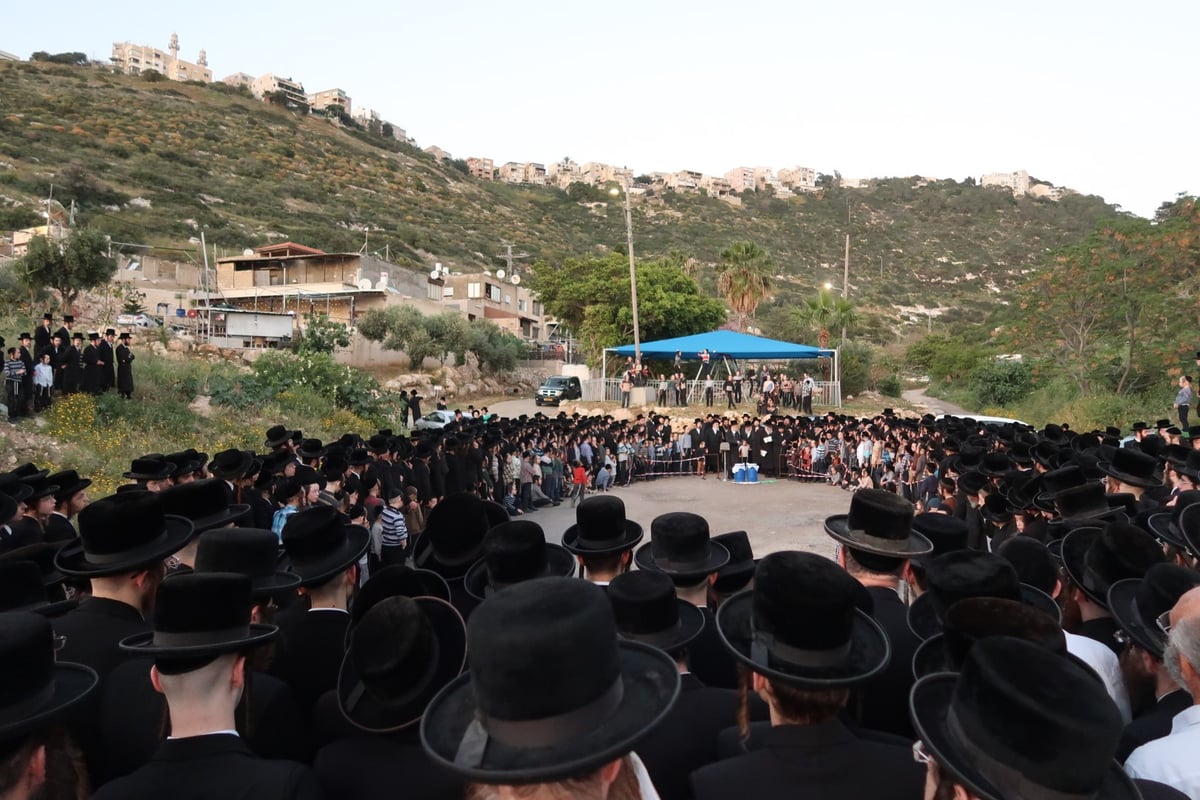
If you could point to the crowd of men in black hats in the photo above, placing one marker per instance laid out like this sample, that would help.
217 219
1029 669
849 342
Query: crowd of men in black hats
271 625
51 363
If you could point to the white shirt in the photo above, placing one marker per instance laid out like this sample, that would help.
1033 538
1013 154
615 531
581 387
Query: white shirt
1104 662
1172 759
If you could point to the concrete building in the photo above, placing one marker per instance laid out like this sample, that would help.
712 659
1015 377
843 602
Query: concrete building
134 59
482 295
482 168
685 180
714 186
511 172
1016 182
595 173
291 91
741 179
563 173
438 153
322 101
7 56
801 179
239 79
535 174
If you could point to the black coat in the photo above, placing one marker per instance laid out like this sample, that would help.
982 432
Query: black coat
708 658
41 338
71 368
93 381
366 767
1154 724
59 529
818 762
686 739
309 654
25 531
882 702
125 371
90 634
108 370
261 510
217 765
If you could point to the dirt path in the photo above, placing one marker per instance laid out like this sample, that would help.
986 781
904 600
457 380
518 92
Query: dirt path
918 398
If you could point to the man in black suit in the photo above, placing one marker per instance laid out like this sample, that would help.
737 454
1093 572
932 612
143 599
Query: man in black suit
123 541
25 353
325 553
108 367
70 498
681 547
203 632
805 641
1156 697
647 610
42 335
877 540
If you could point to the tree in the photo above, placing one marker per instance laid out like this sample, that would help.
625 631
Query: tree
824 311
79 264
405 328
744 278
71 59
322 335
591 297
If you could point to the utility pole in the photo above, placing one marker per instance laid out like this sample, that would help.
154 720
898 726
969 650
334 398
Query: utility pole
509 256
637 336
846 282
881 267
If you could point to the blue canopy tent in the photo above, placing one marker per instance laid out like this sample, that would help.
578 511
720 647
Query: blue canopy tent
730 344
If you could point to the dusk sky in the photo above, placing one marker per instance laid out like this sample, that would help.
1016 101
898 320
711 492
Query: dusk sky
1097 96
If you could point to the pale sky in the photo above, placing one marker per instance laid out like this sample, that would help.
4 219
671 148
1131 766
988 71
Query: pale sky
1098 96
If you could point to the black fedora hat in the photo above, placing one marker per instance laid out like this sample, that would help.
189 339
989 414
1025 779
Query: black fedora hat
400 654
453 537
552 693
995 464
514 552
1137 603
735 575
1189 526
880 523
945 532
1131 467
185 464
1085 502
34 688
69 484
29 471
996 510
975 618
253 552
396 580
41 487
312 448
998 727
277 435
1032 561
800 624
646 610
961 574
121 533
42 554
200 615
320 544
8 508
205 503
149 469
231 464
1164 525
601 527
23 589
680 546
972 481
1096 558
14 487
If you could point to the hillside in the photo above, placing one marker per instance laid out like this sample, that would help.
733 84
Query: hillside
158 162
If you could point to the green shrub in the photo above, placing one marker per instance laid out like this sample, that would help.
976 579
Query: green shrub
890 386
1001 383
856 367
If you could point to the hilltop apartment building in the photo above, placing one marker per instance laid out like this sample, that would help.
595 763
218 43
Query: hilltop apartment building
330 98
136 59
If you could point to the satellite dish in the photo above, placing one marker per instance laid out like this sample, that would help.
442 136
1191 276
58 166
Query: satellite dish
433 276
248 251
499 273
516 280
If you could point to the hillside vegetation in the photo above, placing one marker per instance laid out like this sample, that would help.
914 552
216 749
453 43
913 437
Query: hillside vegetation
159 162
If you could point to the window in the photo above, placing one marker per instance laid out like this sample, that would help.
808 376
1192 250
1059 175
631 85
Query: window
436 292
520 304
493 293
508 299
473 291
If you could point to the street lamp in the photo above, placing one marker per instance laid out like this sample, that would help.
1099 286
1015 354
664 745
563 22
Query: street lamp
637 336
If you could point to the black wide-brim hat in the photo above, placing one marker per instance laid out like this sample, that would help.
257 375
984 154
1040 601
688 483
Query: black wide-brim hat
621 534
1074 549
691 625
929 707
872 513
316 572
650 681
716 556
868 650
371 711
924 623
559 563
74 561
152 644
72 682
1113 469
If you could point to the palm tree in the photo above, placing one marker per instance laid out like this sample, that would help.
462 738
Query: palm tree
824 310
744 278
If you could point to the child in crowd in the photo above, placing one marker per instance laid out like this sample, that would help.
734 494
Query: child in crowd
43 379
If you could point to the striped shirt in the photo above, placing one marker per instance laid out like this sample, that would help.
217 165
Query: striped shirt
394 530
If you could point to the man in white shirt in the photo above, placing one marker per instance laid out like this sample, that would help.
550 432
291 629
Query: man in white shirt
1172 759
